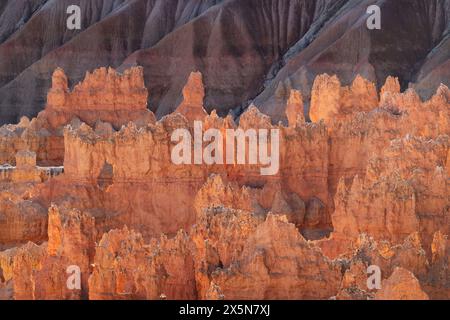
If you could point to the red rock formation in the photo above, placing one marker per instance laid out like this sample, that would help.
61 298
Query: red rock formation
103 95
126 268
438 282
30 135
25 261
366 185
403 191
139 158
41 272
385 210
26 170
401 285
20 220
219 238
294 108
325 98
361 135
273 265
354 283
193 95
408 255
331 101
391 86
217 192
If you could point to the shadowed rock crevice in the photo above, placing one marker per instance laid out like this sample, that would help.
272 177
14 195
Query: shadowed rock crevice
105 178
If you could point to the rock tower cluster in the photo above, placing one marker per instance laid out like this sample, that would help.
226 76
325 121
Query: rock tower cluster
365 183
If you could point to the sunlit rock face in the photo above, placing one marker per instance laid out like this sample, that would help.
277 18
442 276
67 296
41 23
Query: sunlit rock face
193 96
401 285
273 265
103 95
364 184
105 100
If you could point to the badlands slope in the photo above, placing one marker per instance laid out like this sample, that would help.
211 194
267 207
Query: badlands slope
247 50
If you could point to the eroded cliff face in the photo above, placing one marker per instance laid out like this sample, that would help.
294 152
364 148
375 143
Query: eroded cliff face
105 99
103 95
401 285
364 184
278 263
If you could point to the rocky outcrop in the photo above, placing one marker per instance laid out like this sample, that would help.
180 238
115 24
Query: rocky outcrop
127 268
364 186
438 284
193 95
24 263
26 170
294 109
330 101
32 136
103 96
42 272
401 285
21 220
411 171
273 265
219 237
136 161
